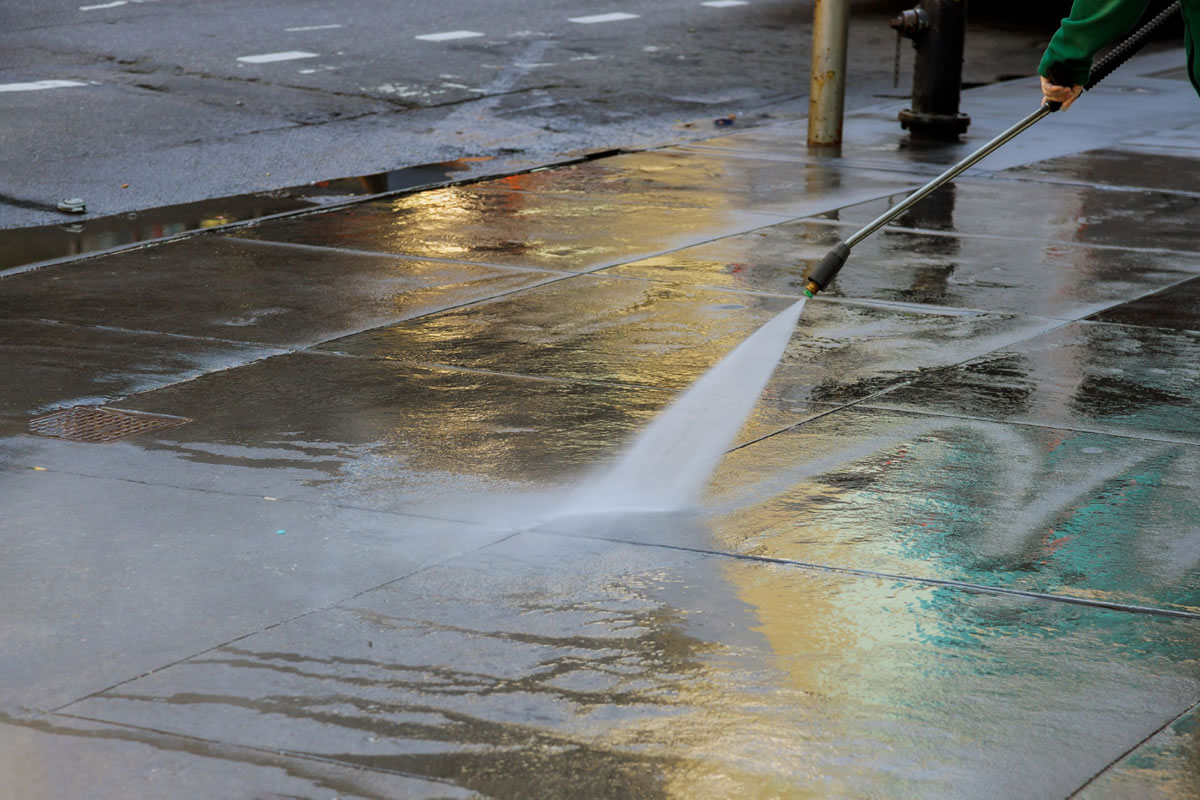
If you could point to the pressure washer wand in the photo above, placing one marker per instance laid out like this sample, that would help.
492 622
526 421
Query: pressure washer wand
835 259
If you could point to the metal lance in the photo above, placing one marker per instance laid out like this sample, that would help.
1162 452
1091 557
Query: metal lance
836 258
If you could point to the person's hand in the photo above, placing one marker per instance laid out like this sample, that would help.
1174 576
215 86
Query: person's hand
1052 92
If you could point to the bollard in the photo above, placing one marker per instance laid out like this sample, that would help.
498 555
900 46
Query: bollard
937 28
827 88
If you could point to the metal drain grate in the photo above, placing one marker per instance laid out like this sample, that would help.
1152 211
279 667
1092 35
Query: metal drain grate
99 424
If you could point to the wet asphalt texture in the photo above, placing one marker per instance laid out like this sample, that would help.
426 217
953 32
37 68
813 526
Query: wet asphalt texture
171 102
955 554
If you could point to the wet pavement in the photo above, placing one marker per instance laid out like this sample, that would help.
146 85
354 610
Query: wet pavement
954 553
31 247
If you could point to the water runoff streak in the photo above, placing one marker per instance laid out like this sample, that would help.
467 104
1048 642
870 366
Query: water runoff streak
669 464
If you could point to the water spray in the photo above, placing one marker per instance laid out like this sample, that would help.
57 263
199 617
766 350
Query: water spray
835 259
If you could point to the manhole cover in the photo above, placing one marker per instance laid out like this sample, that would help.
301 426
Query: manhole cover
98 424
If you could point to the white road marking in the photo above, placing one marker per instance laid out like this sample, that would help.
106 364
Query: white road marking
448 35
113 4
35 85
463 86
312 28
614 17
266 58
724 3
398 90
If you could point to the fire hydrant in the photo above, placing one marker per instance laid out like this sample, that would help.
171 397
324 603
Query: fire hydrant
937 29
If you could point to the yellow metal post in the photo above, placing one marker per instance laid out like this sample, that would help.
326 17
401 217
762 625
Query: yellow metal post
827 92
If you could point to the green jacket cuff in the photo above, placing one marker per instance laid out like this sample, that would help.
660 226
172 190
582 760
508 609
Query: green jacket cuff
1066 72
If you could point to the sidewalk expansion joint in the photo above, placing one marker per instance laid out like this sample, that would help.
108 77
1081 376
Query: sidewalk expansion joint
929 309
273 349
410 514
544 378
433 313
1108 187
502 537
1131 750
321 248
1068 243
966 586
272 753
822 415
915 169
1140 436
1129 326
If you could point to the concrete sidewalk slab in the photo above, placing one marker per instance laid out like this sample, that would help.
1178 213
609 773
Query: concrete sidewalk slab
107 578
1126 380
63 756
492 226
1059 511
1173 307
691 673
48 365
248 291
1129 166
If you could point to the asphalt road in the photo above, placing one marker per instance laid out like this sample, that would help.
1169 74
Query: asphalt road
157 102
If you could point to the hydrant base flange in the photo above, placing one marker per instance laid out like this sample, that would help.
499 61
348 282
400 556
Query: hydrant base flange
934 126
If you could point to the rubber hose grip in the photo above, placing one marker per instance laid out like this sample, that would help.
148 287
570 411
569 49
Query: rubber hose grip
833 261
1125 50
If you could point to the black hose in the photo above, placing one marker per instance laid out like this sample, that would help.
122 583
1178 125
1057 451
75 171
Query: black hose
1125 50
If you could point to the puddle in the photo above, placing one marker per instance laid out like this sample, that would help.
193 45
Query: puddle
23 246
20 247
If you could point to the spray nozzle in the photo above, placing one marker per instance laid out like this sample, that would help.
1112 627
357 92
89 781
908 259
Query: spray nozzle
833 261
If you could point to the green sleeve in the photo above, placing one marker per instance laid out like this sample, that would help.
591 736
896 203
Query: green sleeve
1091 25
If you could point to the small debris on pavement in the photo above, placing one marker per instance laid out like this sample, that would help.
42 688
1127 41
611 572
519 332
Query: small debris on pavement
724 121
